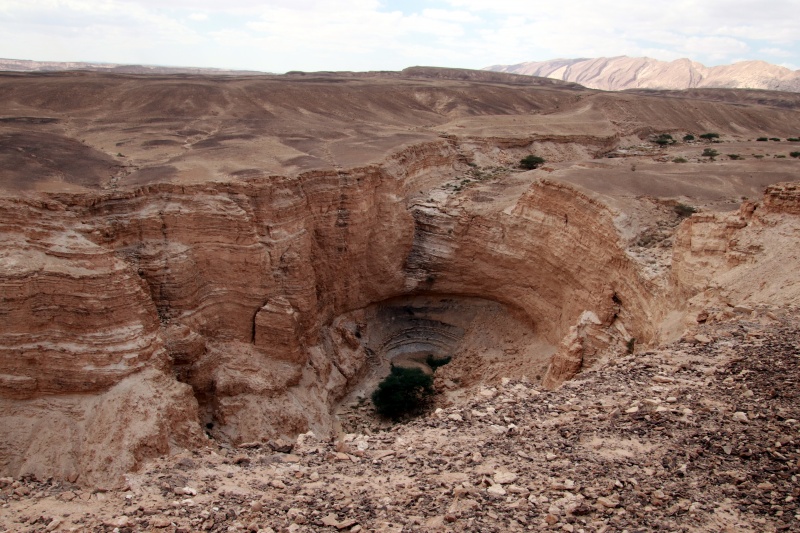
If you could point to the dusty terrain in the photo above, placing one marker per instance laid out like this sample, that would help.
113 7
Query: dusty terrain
199 271
621 73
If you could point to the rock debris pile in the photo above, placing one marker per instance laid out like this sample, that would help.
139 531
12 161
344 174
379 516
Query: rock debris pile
700 435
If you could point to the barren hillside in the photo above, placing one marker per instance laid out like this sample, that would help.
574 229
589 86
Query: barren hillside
200 275
620 73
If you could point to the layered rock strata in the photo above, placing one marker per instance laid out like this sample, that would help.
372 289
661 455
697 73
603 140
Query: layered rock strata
234 288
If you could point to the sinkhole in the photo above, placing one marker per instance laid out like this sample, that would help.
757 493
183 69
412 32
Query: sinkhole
485 339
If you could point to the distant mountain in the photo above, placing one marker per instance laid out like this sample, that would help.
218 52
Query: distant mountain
620 73
24 65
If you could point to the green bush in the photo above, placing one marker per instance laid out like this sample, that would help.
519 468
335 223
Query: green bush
793 139
709 136
735 157
795 154
436 362
776 139
630 345
680 160
405 391
762 139
530 162
688 137
710 152
664 139
683 210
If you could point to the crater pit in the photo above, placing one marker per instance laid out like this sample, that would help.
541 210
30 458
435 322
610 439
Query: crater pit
484 338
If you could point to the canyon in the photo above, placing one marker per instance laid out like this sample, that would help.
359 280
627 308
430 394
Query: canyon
191 260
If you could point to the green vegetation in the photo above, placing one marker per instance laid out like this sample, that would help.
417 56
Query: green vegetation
710 152
736 157
405 391
683 210
780 156
680 160
709 136
795 154
688 137
530 162
436 362
664 139
762 139
793 139
630 345
776 139
758 156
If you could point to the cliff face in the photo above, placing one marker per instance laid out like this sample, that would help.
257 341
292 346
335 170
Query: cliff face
234 290
744 258
85 384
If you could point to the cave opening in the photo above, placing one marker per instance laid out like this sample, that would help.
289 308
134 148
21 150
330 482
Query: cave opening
484 339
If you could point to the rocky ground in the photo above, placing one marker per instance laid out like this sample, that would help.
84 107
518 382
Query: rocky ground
700 435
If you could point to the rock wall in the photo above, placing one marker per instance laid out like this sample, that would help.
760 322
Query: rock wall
86 390
723 260
235 289
553 255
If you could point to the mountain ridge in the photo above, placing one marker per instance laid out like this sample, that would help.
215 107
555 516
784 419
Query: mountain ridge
27 65
623 72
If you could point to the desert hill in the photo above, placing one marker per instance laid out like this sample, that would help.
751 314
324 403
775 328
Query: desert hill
204 277
621 73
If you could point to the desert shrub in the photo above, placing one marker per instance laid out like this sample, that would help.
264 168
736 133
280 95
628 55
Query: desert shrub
688 137
683 210
795 154
709 136
630 345
780 156
710 152
436 362
530 162
758 156
735 157
793 139
680 160
776 139
664 139
405 391
762 139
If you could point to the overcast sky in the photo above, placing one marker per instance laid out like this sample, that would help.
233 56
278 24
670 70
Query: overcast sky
282 35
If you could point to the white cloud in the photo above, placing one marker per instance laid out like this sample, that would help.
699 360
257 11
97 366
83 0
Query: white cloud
279 35
775 52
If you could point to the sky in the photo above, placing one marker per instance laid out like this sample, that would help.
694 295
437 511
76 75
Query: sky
311 35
